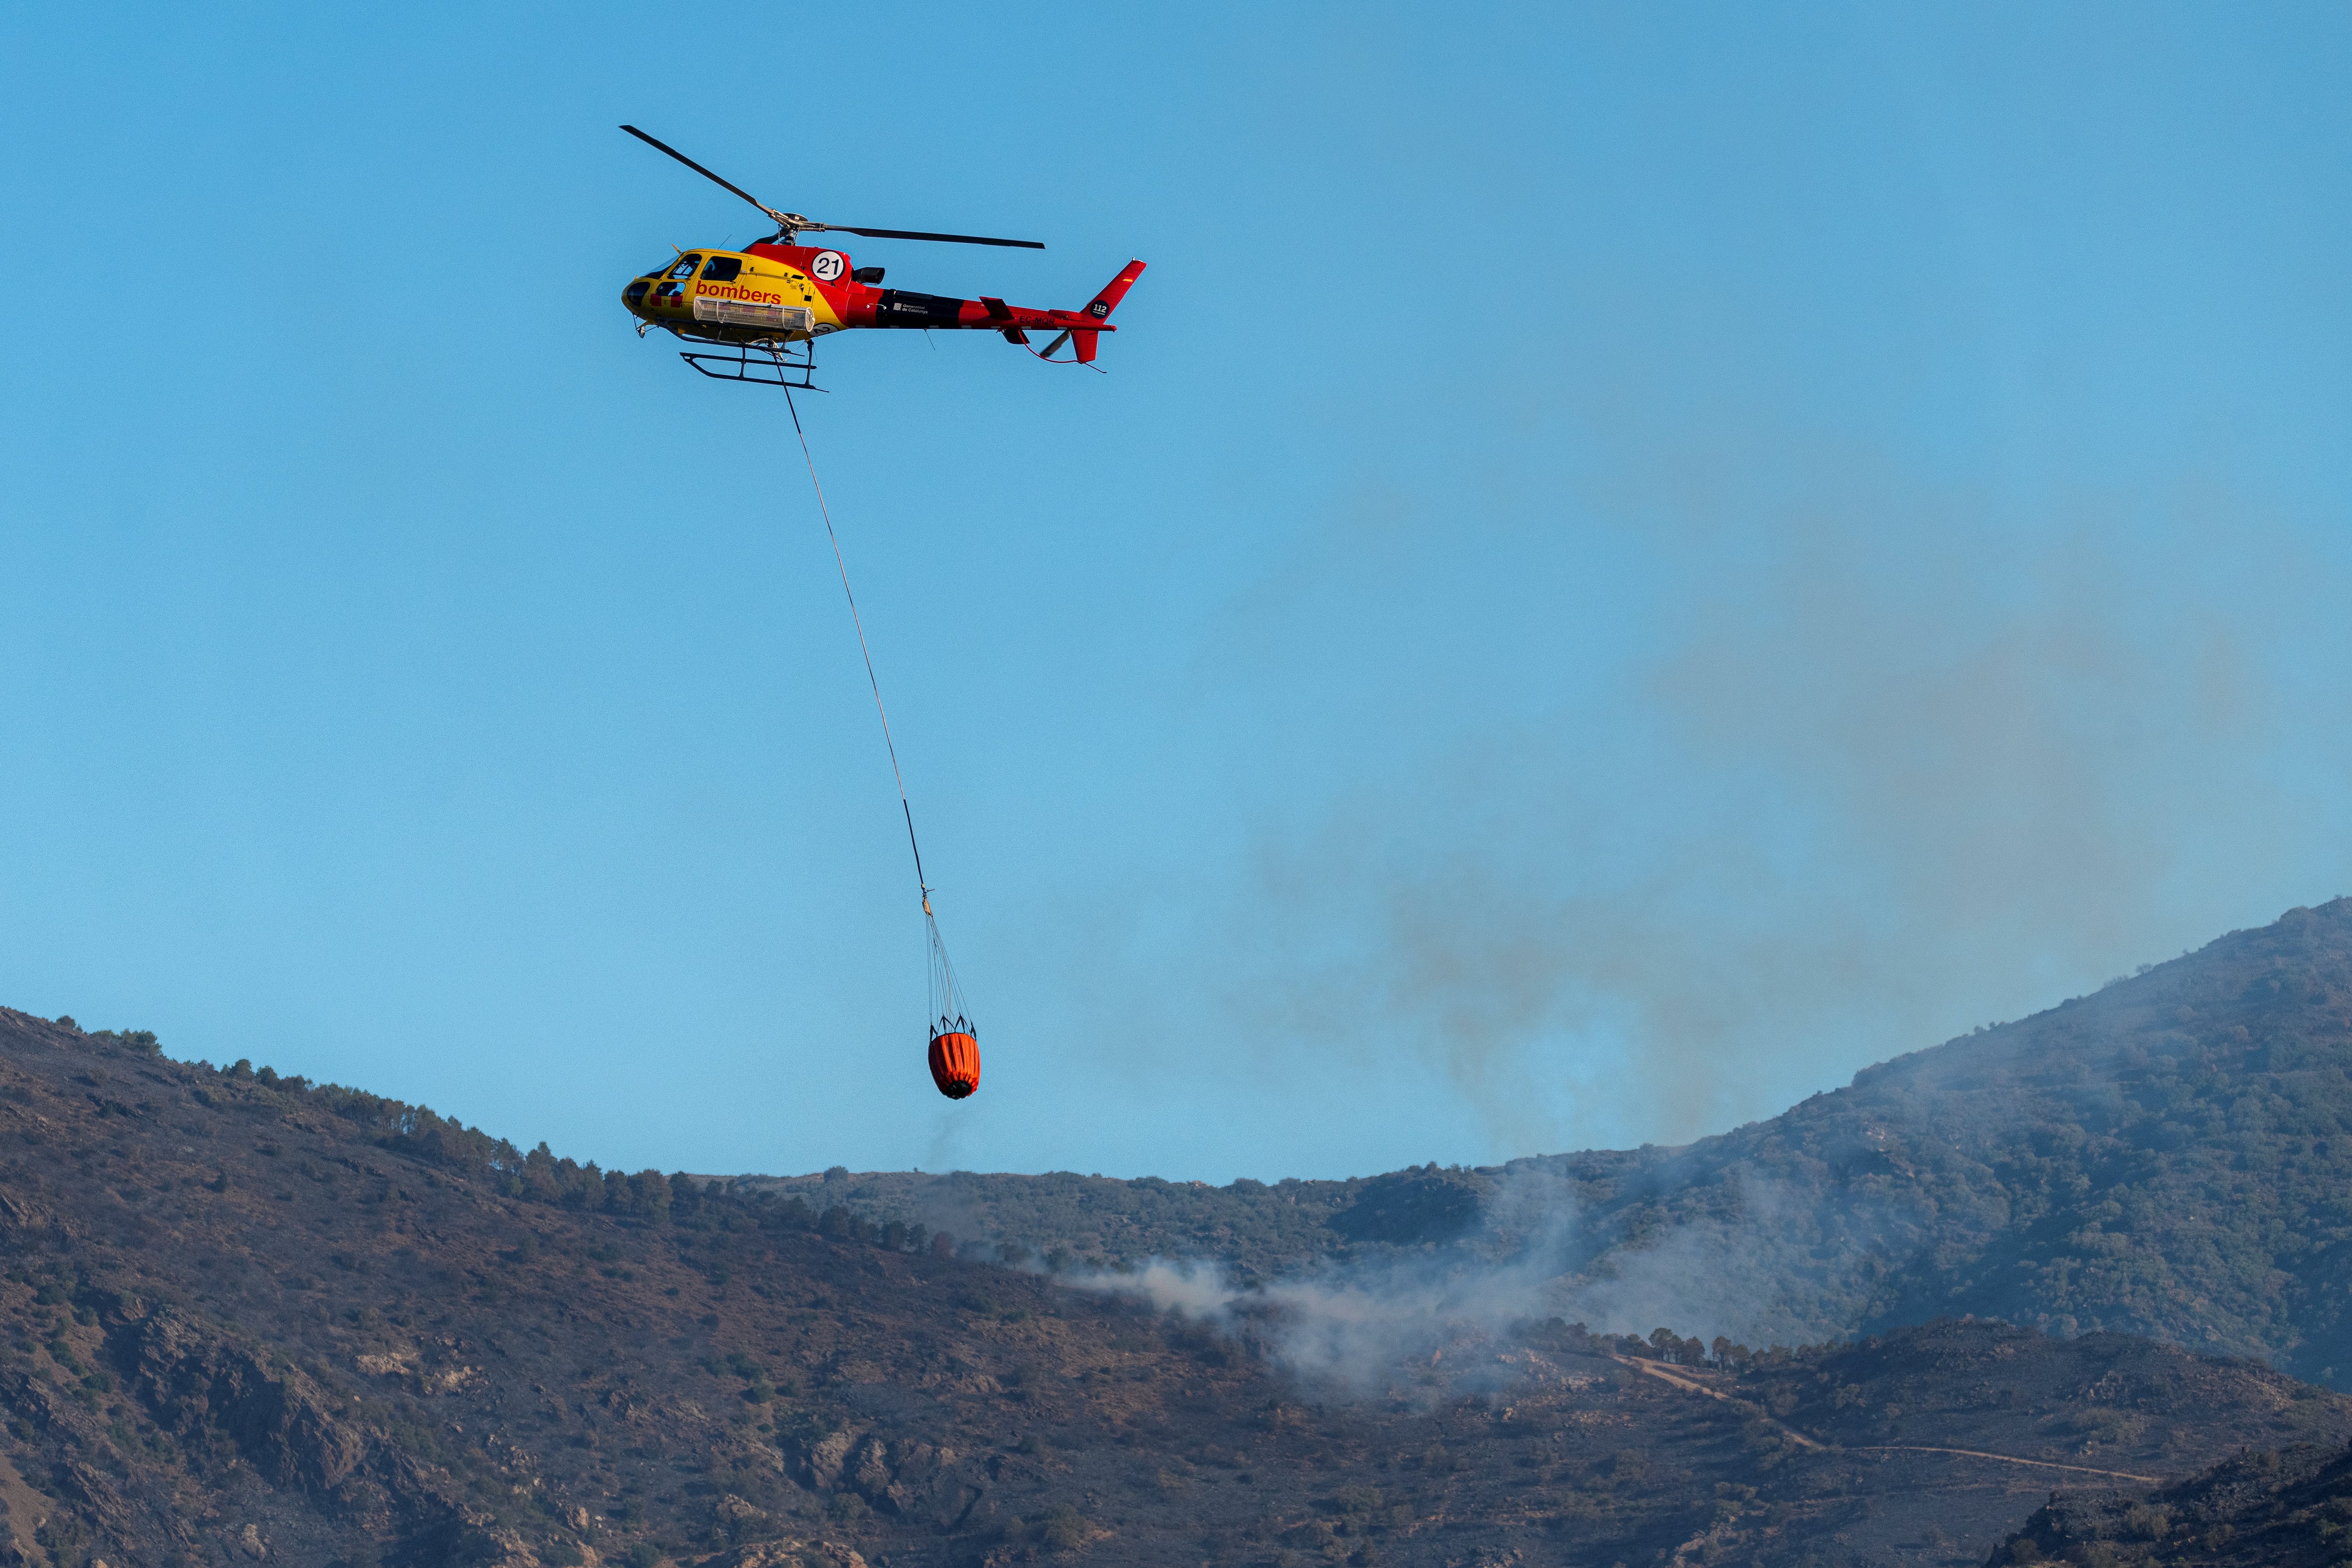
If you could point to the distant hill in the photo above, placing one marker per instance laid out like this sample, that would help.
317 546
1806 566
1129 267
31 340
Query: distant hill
246 1319
1258 1228
2170 1157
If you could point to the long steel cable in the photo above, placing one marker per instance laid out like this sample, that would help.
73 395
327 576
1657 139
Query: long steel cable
827 513
947 998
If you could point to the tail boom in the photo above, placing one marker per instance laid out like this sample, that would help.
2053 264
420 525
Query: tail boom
870 306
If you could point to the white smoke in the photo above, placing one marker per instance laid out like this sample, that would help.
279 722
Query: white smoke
1360 1330
1364 1327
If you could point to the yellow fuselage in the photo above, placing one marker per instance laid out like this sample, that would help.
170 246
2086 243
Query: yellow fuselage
732 296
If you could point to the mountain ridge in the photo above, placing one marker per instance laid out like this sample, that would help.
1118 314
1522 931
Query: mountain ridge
245 1318
242 1315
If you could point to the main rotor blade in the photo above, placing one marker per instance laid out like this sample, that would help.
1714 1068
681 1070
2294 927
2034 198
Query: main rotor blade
660 146
909 233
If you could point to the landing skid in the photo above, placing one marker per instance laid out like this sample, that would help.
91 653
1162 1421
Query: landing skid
760 364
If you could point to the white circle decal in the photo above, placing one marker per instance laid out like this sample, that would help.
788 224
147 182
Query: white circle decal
826 267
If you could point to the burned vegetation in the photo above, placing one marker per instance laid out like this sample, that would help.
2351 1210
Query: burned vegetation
2275 1509
245 1318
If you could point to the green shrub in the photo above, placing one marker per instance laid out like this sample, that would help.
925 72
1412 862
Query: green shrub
1065 1528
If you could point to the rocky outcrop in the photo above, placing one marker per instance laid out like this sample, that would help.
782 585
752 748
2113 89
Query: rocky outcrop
787 1555
873 1477
430 1369
928 1483
737 1517
18 1213
191 1378
821 1461
468 1538
196 1381
912 1480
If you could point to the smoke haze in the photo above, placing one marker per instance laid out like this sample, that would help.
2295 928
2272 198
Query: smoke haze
1900 763
1361 1328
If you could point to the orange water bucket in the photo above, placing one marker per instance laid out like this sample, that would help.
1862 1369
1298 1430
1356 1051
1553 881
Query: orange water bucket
955 1062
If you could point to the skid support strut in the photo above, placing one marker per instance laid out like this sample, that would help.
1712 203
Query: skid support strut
759 364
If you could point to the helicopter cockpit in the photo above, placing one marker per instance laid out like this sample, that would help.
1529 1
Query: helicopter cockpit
671 282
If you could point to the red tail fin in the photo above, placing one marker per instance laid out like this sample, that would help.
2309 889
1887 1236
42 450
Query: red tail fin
1104 303
1101 308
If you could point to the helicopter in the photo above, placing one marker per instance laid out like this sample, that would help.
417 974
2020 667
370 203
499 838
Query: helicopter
771 301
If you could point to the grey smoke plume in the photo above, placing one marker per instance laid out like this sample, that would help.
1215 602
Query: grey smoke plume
1904 764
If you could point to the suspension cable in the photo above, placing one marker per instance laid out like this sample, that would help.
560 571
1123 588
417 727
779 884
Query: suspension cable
827 513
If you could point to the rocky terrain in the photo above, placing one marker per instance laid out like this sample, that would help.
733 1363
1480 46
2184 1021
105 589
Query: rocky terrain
245 1318
249 1320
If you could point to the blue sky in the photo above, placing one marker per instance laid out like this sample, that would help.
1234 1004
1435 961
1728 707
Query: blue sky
1628 561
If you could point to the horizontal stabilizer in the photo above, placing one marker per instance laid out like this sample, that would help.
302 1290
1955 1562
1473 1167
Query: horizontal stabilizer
1002 313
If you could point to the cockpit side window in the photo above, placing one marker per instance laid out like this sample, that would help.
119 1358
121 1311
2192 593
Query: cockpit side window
686 266
722 269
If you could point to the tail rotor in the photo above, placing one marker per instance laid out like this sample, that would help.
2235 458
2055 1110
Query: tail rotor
1089 341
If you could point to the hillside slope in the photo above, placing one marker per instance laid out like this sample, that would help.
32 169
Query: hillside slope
2277 1508
2170 1157
244 1318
